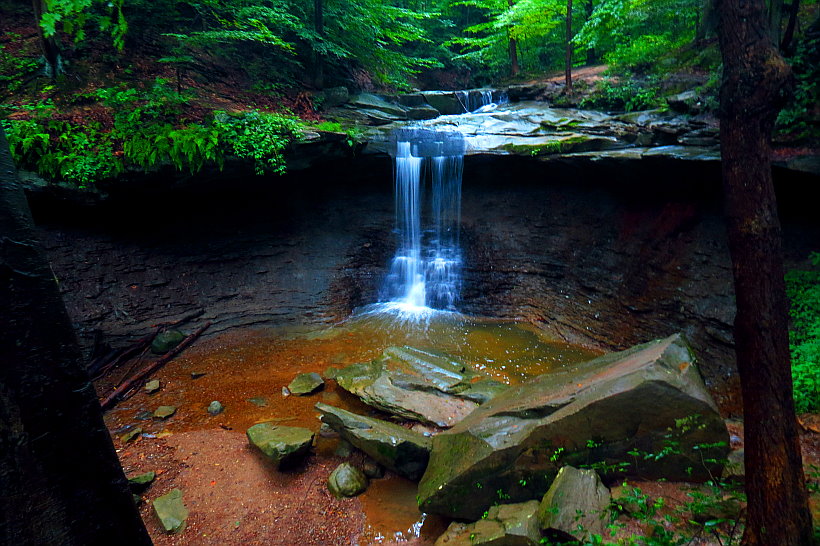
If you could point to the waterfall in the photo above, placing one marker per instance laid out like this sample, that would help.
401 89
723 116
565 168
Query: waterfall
476 100
426 269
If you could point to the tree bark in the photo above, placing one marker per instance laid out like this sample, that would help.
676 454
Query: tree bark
513 48
775 18
787 44
51 51
568 59
592 56
60 479
754 76
707 22
319 26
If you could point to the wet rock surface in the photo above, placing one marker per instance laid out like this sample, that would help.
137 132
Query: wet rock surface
419 385
518 441
575 507
283 445
347 481
171 511
401 450
504 524
306 383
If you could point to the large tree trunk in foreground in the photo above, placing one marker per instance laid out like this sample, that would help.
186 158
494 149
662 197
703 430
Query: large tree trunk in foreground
754 75
60 479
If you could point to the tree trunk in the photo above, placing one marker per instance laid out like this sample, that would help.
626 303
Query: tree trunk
707 22
775 18
787 44
592 57
319 26
60 479
51 51
513 47
568 60
754 76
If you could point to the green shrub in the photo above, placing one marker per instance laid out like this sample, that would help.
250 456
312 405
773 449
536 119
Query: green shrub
626 95
803 288
258 136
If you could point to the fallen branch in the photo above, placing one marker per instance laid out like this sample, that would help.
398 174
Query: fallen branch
124 356
127 385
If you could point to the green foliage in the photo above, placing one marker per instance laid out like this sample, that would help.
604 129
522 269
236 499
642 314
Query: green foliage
75 16
259 136
803 289
14 69
626 95
800 117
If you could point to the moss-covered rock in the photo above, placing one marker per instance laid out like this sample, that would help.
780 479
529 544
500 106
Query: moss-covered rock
283 445
575 507
424 386
504 525
166 340
171 511
306 383
597 411
347 481
401 450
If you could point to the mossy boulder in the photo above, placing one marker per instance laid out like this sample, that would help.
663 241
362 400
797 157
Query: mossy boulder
347 481
575 506
171 511
420 385
401 450
283 445
646 398
504 525
165 341
306 383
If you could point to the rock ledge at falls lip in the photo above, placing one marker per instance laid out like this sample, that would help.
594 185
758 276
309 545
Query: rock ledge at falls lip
533 129
641 398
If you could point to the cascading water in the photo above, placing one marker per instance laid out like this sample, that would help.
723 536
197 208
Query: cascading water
476 100
425 272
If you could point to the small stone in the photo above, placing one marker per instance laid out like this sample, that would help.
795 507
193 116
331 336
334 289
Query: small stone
372 469
197 375
285 392
131 435
326 431
136 498
143 415
152 386
258 401
141 482
344 449
165 341
306 383
171 511
347 481
164 412
282 444
215 407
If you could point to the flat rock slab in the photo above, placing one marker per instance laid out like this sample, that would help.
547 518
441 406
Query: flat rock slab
423 386
284 445
347 481
575 507
643 398
171 511
401 450
164 412
306 383
505 525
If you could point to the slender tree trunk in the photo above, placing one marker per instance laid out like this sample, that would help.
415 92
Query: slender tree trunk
568 60
513 46
592 57
754 76
787 44
60 480
319 26
775 18
707 22
51 51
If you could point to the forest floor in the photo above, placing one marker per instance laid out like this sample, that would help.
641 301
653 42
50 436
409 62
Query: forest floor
236 496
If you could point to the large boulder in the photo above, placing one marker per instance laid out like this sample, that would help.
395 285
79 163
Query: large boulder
575 507
368 101
649 398
504 525
446 102
419 385
403 451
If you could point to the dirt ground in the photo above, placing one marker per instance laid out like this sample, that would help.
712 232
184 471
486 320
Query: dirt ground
235 496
